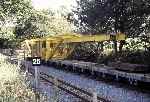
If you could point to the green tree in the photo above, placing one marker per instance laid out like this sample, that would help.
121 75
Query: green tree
113 16
44 23
10 12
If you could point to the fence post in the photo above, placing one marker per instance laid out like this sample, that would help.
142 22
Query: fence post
94 97
36 77
26 67
56 94
37 83
92 69
18 64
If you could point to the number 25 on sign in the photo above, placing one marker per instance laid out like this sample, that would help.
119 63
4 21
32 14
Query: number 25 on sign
36 61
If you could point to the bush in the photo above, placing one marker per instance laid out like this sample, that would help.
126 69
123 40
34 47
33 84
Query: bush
137 57
13 86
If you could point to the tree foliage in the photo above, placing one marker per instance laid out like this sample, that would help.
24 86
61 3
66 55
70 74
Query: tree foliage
44 23
14 9
25 21
10 12
131 17
111 16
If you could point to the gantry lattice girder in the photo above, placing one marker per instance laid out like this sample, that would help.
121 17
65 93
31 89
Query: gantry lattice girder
61 46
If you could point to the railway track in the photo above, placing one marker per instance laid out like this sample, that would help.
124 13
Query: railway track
109 92
80 93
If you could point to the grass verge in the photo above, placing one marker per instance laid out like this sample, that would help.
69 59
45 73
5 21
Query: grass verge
13 87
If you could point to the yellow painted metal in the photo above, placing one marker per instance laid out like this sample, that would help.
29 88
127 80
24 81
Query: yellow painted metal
28 47
52 49
120 36
43 49
88 38
34 47
61 46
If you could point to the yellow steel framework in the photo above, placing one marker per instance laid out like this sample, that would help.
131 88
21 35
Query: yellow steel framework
61 46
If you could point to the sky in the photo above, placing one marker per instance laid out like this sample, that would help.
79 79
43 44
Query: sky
53 4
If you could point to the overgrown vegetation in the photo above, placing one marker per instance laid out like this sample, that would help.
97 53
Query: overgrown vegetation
19 20
135 51
130 17
13 87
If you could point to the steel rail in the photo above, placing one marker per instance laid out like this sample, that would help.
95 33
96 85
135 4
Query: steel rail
80 93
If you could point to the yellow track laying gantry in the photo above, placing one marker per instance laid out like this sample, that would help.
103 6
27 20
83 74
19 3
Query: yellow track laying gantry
61 46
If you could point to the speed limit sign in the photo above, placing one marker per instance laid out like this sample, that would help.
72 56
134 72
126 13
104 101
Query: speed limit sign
36 61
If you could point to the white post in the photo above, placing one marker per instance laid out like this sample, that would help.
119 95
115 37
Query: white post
37 83
36 77
26 66
73 67
82 70
18 64
117 77
94 97
56 94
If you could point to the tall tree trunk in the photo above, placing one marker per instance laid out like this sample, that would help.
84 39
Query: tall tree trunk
122 42
100 49
115 47
116 31
102 46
